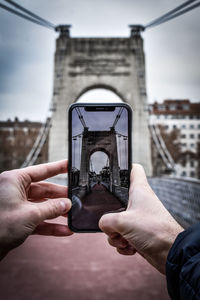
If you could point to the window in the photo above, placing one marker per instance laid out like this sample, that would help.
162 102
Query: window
183 173
185 106
172 107
183 126
192 136
198 136
183 136
192 145
198 126
191 164
166 127
184 163
192 174
161 107
191 117
183 144
174 126
191 126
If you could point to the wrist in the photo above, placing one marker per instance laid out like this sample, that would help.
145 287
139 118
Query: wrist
164 239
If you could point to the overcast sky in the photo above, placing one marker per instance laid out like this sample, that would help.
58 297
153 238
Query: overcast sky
27 50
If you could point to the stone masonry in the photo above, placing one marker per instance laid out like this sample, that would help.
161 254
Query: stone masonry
116 64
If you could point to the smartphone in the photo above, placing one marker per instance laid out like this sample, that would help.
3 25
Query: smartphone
99 162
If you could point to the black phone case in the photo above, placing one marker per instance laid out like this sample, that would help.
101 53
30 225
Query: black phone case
72 106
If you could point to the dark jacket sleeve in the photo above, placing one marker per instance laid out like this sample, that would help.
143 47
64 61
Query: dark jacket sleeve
183 265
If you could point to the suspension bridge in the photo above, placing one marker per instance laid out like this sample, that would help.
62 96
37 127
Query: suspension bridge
80 65
101 71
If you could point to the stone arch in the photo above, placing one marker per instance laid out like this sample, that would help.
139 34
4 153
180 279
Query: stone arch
100 149
100 86
105 176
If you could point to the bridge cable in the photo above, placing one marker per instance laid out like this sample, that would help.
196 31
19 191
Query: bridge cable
118 116
74 153
173 13
25 16
79 138
37 146
31 14
80 117
161 147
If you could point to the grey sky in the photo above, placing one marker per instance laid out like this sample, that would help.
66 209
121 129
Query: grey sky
27 50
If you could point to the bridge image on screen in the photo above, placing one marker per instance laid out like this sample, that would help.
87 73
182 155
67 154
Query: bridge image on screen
99 164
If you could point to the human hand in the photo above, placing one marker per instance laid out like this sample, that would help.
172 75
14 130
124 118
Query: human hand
24 204
145 227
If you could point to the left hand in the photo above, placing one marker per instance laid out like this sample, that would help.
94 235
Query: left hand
25 204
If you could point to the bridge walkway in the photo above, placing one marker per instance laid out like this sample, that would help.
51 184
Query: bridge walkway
82 266
94 204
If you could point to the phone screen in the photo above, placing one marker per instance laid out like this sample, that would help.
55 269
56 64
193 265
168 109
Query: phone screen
99 164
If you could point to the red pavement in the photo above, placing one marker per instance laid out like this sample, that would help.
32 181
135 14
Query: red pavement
80 267
100 200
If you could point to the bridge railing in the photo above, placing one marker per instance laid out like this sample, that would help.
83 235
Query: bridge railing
180 196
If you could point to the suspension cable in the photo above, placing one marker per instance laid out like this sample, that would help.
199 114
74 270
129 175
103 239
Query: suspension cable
118 116
24 16
51 25
173 13
178 14
80 117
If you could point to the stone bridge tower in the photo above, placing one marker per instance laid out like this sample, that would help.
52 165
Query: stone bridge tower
116 64
104 141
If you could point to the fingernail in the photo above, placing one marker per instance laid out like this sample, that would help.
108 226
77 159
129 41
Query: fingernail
63 205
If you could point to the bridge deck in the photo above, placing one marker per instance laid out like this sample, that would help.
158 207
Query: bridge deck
95 203
81 267
85 267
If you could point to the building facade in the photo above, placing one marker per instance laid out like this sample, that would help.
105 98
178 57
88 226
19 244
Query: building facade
183 117
16 140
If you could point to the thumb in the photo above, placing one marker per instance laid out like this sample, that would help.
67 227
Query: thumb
138 176
137 179
110 223
53 208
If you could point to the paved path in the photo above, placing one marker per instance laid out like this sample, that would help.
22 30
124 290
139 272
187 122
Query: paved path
95 203
80 267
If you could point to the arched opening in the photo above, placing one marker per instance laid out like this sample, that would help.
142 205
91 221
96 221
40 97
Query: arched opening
99 169
99 95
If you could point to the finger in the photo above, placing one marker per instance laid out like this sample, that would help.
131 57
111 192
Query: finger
42 190
138 176
118 242
44 171
110 224
52 229
126 251
53 208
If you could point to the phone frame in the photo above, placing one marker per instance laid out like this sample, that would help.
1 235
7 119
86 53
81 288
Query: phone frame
72 106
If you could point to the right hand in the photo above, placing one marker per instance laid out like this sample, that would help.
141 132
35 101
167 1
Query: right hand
145 227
